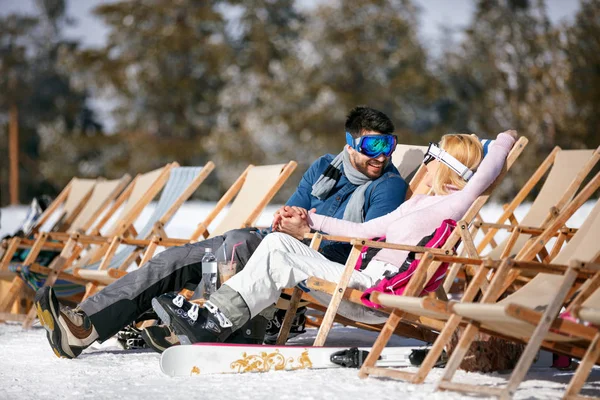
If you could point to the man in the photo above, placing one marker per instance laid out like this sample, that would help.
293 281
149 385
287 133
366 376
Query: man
358 184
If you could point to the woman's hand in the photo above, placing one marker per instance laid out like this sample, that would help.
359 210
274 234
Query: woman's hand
511 132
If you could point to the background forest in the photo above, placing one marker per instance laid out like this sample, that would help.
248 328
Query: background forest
263 81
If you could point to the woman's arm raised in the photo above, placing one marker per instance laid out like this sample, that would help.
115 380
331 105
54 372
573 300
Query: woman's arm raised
491 166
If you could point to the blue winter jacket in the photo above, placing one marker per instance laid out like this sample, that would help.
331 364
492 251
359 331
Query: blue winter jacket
382 196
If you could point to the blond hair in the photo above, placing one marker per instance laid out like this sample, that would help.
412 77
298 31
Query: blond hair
465 148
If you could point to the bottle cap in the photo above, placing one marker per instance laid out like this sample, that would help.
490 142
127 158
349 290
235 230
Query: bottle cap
208 250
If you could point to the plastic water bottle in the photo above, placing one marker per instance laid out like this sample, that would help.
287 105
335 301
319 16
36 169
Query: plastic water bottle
209 273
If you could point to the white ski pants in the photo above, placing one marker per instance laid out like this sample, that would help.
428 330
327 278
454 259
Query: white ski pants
281 261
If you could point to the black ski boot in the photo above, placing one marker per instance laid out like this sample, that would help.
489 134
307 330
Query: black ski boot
197 324
252 332
274 325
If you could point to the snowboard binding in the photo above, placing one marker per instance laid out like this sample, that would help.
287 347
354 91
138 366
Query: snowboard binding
350 358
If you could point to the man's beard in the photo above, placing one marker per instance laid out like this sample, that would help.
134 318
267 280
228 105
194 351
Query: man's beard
364 168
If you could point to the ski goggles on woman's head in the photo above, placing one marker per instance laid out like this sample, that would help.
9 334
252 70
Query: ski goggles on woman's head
434 152
373 146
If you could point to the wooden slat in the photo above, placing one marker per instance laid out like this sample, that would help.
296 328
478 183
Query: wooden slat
6 316
466 388
388 373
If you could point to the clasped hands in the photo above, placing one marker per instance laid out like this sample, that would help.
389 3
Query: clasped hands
291 220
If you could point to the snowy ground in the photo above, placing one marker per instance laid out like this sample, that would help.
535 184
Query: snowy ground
28 368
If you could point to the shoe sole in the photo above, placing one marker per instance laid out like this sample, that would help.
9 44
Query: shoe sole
161 312
153 344
166 319
273 340
46 306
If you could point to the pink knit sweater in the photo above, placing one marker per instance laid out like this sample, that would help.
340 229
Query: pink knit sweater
422 214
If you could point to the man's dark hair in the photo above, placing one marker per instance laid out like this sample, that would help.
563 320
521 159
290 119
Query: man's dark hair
361 119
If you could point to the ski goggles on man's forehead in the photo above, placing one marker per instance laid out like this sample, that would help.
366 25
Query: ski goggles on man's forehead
434 152
373 146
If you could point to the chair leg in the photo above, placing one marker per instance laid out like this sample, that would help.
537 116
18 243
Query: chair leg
539 333
585 366
57 266
149 251
18 284
336 299
28 323
436 350
91 288
414 288
459 353
382 340
289 317
13 245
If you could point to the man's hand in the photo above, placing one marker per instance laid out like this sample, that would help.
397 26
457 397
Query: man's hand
287 212
294 226
277 217
291 220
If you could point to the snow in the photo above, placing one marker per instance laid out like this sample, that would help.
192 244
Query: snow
29 369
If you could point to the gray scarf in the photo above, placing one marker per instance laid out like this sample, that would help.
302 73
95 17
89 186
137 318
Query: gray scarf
330 177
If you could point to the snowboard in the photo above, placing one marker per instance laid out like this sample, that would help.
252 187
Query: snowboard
225 358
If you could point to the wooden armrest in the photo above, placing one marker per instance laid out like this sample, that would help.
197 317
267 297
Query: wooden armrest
394 246
40 269
383 245
26 244
322 285
88 239
584 269
99 277
333 238
532 230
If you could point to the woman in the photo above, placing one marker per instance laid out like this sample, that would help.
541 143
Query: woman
283 262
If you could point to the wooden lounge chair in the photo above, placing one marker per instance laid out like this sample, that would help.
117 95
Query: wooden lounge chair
431 310
248 195
253 191
182 183
103 193
511 316
417 281
60 213
438 310
141 191
255 188
59 216
568 169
